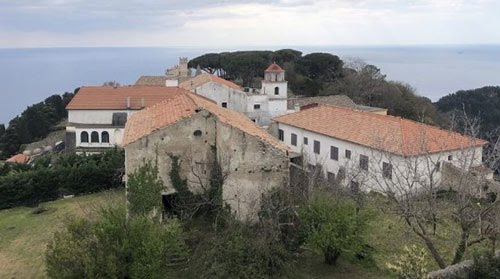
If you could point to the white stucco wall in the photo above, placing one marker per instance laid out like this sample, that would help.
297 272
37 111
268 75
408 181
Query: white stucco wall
94 116
220 93
277 107
373 179
270 105
269 86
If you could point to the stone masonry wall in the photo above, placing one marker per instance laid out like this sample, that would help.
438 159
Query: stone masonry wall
251 165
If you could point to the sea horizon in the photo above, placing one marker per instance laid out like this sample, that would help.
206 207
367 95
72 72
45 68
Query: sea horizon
29 75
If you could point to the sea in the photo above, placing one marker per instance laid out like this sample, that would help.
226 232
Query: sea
30 75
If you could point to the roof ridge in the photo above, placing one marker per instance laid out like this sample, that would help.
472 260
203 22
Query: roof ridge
400 135
400 119
371 114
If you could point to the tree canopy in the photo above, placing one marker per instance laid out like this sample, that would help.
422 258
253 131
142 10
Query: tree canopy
34 123
481 102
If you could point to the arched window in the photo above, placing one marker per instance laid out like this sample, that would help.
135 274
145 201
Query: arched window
105 137
84 137
276 90
94 137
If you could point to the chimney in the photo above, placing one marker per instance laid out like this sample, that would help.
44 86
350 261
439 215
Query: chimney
128 102
308 106
172 82
142 102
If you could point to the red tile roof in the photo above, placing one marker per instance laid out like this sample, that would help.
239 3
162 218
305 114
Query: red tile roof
19 159
185 105
388 133
201 79
274 68
115 98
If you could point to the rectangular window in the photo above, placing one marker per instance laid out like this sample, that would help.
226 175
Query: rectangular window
224 104
450 157
348 154
119 118
334 153
281 135
293 140
363 162
306 141
438 166
316 147
256 106
387 170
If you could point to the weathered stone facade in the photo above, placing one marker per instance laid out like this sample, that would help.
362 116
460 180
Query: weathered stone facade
251 165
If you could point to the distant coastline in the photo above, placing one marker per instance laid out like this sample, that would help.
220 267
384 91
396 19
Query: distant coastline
29 75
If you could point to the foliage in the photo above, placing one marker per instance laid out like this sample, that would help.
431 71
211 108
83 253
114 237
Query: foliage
240 251
485 266
247 66
144 188
208 202
366 85
411 265
35 123
278 212
62 174
112 83
334 226
114 247
481 102
2 130
320 66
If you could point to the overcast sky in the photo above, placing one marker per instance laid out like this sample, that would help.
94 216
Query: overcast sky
51 23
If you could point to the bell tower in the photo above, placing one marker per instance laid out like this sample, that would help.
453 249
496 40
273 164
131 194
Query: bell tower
274 84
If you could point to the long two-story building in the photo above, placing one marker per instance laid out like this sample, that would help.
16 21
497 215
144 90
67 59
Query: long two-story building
373 151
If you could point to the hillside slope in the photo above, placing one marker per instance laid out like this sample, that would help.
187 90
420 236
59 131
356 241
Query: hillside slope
24 235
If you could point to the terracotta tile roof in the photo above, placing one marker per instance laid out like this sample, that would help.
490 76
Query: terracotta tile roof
19 158
274 68
108 97
184 105
199 80
388 133
152 80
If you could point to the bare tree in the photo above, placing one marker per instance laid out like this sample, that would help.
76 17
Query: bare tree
112 83
414 183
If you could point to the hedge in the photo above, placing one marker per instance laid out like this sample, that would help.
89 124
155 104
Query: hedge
68 174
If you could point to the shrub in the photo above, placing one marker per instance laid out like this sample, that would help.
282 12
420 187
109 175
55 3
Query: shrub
334 226
114 247
67 174
240 251
486 266
144 190
411 265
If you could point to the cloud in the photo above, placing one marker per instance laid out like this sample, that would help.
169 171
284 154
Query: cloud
238 22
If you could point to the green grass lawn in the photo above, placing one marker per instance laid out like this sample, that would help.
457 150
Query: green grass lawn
24 235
